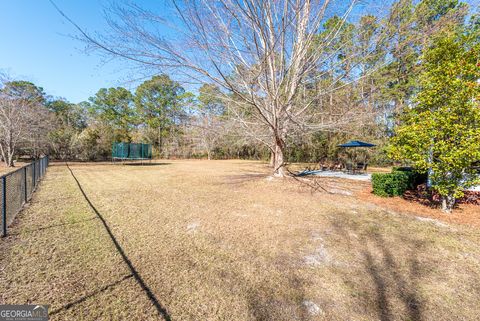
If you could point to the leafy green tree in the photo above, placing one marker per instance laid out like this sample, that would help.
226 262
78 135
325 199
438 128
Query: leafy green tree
90 143
210 100
114 107
410 26
70 121
159 101
441 132
339 51
210 110
26 90
68 114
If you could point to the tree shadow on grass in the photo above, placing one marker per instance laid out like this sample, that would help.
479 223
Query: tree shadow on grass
276 294
162 311
386 273
265 304
270 291
389 274
90 295
242 178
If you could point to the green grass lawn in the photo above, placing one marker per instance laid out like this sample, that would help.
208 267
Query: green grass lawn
221 240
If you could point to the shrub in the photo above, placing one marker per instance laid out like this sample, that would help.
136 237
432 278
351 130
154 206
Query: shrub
390 184
415 178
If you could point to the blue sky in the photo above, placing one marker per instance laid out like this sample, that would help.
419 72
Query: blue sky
35 45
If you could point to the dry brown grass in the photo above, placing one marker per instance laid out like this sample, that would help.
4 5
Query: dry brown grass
220 240
4 169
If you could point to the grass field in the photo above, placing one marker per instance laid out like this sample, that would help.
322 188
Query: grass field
221 240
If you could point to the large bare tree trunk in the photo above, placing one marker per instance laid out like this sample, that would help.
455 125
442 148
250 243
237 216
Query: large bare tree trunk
279 164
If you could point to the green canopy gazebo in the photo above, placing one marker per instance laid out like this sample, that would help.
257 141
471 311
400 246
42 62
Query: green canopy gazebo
354 144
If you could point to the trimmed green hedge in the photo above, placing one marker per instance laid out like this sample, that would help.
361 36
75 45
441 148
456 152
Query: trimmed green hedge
397 182
391 184
414 178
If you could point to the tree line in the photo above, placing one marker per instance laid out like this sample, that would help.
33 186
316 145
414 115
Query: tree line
160 111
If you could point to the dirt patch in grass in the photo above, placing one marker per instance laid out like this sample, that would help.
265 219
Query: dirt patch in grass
222 240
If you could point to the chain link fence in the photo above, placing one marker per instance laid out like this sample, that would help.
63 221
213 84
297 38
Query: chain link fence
16 189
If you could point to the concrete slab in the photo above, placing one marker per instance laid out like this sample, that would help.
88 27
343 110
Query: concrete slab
359 177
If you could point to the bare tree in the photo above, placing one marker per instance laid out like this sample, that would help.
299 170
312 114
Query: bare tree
265 55
18 112
207 130
40 121
11 128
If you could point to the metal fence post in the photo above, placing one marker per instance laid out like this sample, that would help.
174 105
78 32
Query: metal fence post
4 206
25 182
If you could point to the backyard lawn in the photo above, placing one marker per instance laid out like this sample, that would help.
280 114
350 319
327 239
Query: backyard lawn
222 240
